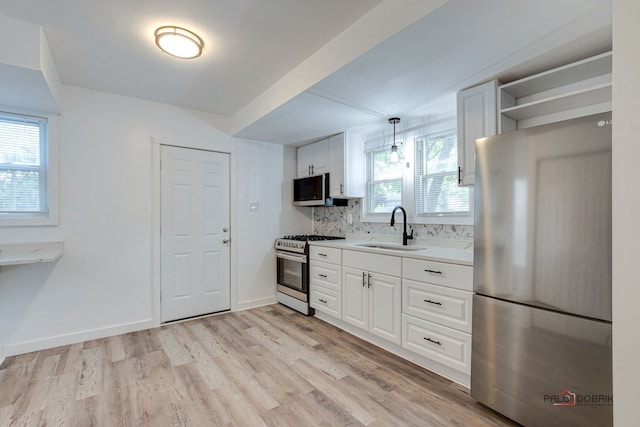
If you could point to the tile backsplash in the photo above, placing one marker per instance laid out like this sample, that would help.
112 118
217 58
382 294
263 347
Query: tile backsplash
333 221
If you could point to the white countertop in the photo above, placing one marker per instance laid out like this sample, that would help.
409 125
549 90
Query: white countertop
461 252
28 253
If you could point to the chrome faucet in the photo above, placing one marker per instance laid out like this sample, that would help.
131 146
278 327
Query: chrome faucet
405 237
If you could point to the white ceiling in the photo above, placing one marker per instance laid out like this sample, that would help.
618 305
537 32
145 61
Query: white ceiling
292 70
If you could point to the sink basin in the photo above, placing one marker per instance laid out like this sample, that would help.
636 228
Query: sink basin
391 247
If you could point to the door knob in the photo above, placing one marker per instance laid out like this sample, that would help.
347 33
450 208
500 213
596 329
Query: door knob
225 229
225 241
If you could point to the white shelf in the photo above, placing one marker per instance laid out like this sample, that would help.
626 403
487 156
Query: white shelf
568 101
581 70
29 253
577 89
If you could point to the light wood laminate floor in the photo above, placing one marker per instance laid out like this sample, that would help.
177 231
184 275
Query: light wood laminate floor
268 366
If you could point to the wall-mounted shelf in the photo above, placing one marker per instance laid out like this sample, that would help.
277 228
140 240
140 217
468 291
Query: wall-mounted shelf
29 253
573 90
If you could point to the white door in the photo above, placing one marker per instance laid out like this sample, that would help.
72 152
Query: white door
194 235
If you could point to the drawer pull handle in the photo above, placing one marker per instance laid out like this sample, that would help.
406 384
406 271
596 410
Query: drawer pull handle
433 341
433 271
322 275
322 254
433 302
321 300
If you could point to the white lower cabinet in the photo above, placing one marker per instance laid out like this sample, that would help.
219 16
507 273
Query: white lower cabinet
447 346
436 312
325 280
439 304
326 301
372 301
415 308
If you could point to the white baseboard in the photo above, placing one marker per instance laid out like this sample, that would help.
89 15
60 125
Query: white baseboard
246 305
66 339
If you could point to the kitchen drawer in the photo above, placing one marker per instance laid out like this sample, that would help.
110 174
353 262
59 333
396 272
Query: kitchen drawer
439 273
320 253
326 300
326 275
439 343
385 264
439 304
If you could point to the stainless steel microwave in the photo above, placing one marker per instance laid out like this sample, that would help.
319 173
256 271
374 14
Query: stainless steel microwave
312 191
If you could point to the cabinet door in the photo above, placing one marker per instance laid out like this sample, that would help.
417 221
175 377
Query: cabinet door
355 302
305 158
385 305
321 157
477 118
336 151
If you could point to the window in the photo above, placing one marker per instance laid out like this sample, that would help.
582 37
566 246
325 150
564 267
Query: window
424 182
437 191
25 193
384 182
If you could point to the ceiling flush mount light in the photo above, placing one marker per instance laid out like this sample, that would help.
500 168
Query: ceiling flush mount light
179 42
394 156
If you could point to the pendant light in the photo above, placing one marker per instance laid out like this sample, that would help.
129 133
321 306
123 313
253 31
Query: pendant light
394 156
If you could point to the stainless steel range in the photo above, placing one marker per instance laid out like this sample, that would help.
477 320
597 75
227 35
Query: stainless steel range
292 255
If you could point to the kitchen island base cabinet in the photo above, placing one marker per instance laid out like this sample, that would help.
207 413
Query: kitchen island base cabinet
372 301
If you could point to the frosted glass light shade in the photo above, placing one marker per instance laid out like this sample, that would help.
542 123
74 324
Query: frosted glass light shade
179 42
394 156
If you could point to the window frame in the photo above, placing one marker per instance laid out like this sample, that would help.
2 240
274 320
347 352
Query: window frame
369 183
410 177
449 215
50 156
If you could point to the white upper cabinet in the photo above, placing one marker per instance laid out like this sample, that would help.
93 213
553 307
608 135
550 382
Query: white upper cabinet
347 166
477 117
567 92
573 90
342 156
314 159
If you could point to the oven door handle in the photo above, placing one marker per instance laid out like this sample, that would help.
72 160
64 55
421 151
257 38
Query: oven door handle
291 257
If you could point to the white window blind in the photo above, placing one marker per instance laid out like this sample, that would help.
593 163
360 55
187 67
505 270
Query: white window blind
437 191
23 166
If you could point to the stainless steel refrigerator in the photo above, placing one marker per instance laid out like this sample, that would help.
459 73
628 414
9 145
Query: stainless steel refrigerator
541 348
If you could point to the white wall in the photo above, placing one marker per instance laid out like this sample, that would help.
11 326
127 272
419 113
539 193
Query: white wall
103 284
626 208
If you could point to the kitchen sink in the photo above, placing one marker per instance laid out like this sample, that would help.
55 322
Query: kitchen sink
391 247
